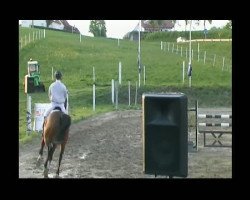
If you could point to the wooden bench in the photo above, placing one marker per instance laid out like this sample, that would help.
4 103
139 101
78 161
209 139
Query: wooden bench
215 126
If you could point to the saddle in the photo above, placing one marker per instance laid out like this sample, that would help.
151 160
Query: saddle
57 108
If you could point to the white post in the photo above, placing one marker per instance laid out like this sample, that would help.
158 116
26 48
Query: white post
52 73
181 51
29 128
135 93
183 71
198 52
214 60
94 74
205 57
116 95
113 91
120 73
118 41
139 79
43 33
93 97
161 45
144 75
139 54
190 51
129 93
223 63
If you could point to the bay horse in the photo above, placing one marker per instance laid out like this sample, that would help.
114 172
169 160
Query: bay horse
55 132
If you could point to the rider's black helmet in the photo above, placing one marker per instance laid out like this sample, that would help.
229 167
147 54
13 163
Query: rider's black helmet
58 75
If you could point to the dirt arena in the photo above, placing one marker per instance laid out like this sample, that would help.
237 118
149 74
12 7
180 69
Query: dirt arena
110 146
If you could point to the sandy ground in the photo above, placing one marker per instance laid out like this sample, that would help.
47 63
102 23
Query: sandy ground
110 146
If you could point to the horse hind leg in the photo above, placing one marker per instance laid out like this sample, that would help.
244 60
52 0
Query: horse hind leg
39 159
60 159
51 149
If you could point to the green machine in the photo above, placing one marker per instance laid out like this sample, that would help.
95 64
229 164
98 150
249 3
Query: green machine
32 79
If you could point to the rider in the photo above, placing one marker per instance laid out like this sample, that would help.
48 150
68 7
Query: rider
57 94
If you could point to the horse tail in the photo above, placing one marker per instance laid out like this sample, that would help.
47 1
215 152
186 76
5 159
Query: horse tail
64 123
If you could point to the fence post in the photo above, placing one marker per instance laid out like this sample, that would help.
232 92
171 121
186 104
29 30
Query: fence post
214 60
183 71
116 95
135 93
94 97
129 93
112 91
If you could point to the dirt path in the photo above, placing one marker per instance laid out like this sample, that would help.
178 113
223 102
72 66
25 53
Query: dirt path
110 146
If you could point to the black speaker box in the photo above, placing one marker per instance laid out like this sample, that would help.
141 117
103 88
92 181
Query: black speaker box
165 134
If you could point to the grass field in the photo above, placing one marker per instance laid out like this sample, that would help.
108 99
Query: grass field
211 85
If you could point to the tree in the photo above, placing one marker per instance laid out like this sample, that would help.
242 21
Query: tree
205 32
98 28
48 22
228 25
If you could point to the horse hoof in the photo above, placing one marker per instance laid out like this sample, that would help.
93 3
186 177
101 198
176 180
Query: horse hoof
39 161
56 176
45 173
